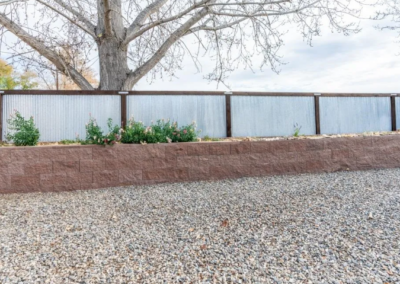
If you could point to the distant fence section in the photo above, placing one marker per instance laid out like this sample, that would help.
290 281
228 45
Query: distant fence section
63 114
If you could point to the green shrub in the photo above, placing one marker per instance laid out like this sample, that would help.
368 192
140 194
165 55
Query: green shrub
94 134
160 132
24 132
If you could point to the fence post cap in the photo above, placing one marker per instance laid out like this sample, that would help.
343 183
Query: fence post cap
393 95
317 94
1 92
123 93
228 93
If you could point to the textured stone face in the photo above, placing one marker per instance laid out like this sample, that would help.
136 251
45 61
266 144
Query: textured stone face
28 169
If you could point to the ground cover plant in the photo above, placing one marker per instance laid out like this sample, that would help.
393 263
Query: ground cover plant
163 131
23 131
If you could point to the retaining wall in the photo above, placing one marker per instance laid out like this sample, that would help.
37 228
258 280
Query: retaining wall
59 168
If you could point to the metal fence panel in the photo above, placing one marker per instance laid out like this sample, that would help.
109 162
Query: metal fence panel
272 116
207 111
397 112
62 116
341 115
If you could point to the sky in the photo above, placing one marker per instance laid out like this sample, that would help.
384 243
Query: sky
365 62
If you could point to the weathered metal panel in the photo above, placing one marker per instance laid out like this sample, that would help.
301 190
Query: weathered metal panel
341 115
207 111
63 117
272 116
398 112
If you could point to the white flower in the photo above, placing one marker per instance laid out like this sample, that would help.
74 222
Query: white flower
169 140
95 137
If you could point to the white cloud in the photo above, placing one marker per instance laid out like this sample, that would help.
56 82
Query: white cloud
364 62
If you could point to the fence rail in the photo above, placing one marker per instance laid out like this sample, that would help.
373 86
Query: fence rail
235 113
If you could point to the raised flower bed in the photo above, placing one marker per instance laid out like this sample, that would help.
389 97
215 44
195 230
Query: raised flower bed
58 168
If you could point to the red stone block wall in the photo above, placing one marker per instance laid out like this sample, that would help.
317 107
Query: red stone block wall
57 168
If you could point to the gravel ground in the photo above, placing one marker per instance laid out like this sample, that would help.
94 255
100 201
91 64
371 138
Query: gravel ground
327 228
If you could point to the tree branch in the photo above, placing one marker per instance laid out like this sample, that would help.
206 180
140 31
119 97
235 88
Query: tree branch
249 3
90 32
78 15
44 51
266 14
152 25
141 18
107 18
136 75
10 2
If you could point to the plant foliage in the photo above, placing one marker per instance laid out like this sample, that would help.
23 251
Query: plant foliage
23 132
163 131
94 134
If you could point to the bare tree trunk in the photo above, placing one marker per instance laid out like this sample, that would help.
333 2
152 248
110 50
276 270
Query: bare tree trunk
113 64
113 57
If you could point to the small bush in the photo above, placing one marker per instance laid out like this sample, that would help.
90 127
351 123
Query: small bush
24 132
94 134
161 132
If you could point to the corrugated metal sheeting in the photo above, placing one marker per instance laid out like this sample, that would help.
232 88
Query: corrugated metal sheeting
207 111
62 117
355 114
398 112
272 116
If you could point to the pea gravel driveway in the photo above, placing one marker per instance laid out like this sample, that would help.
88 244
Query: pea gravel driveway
326 228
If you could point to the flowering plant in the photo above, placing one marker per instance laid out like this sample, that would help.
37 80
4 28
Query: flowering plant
94 134
163 131
24 132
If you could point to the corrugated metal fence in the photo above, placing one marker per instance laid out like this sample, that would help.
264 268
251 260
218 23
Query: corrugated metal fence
63 114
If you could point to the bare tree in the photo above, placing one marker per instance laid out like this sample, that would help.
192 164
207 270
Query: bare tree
10 2
135 38
391 12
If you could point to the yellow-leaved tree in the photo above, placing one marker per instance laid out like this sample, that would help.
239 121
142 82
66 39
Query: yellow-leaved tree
10 80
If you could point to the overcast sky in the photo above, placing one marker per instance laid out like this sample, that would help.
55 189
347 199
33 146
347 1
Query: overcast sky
365 62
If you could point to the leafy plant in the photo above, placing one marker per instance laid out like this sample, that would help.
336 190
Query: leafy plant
208 138
297 129
94 134
68 142
163 131
24 132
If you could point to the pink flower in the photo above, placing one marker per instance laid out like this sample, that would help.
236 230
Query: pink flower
184 131
174 133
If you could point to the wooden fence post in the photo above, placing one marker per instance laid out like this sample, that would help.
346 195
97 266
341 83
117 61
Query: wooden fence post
317 115
1 116
393 111
123 108
228 114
